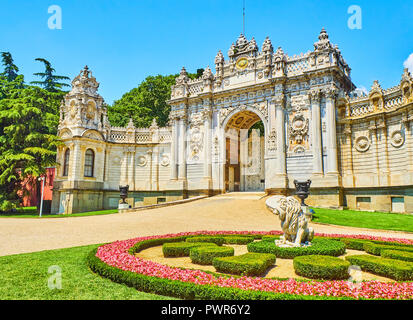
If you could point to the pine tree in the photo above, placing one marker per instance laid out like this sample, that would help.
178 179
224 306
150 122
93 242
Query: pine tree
50 80
10 69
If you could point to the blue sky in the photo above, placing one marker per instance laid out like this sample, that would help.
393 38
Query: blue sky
125 41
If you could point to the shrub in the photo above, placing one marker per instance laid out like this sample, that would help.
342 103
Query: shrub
390 268
355 244
238 239
187 290
145 244
270 238
376 249
325 247
212 239
321 267
181 249
205 254
249 264
397 254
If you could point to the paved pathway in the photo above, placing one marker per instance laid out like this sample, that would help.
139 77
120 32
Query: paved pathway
234 211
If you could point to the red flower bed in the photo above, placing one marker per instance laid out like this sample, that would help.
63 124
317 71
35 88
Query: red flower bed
116 255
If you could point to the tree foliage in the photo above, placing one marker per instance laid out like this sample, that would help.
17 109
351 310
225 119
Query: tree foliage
10 69
28 141
50 80
146 102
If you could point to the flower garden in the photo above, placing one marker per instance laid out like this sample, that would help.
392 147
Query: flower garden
323 275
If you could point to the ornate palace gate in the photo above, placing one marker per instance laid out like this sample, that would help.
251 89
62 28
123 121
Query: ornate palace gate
244 167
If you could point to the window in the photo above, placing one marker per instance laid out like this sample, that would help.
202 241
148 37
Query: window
66 162
89 162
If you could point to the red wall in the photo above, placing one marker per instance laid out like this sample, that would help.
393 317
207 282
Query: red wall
34 195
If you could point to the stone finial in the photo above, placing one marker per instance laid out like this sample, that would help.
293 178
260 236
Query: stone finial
241 41
183 76
323 41
154 124
376 86
207 75
267 45
406 76
130 124
219 58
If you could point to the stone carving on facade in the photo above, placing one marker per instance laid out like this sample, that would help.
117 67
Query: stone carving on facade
406 86
362 144
298 129
272 140
165 161
294 222
196 143
397 139
267 50
279 63
142 160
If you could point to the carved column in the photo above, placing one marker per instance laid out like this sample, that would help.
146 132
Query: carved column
131 168
124 168
373 133
332 166
182 147
408 137
207 144
281 169
174 151
316 132
349 143
76 163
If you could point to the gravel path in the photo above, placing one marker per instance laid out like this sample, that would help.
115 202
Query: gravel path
235 211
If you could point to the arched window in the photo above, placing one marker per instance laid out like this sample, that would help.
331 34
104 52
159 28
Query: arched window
89 162
66 162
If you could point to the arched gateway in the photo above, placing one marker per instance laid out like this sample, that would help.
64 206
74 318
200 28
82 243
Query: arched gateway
245 133
357 149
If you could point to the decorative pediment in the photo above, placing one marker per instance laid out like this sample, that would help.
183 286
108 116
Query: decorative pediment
242 47
91 134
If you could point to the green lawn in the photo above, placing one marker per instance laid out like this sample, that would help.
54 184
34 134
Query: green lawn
31 212
362 219
25 276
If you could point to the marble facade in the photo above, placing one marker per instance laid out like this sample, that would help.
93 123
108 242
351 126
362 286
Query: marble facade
356 148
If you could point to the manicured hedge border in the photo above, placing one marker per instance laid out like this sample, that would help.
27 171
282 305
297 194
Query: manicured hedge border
319 246
238 239
182 249
116 262
398 255
390 268
205 255
375 249
217 240
354 244
248 264
321 267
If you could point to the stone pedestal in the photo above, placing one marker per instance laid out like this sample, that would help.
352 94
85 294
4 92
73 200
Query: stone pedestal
123 206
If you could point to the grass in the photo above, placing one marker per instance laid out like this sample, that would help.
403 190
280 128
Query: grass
362 219
25 276
31 212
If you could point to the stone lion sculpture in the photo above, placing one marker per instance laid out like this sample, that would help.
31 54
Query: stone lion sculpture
293 221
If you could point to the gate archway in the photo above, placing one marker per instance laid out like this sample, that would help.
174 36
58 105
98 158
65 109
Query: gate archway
244 151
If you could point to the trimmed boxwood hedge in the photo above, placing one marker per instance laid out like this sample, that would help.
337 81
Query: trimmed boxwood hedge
398 255
390 268
270 238
212 239
238 239
248 264
182 249
354 244
375 249
205 254
187 290
321 267
325 247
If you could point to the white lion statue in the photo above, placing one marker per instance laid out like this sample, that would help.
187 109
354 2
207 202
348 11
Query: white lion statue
293 221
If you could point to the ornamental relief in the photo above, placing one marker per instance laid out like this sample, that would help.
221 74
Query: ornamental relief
196 143
298 131
362 144
142 161
272 141
397 139
164 160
